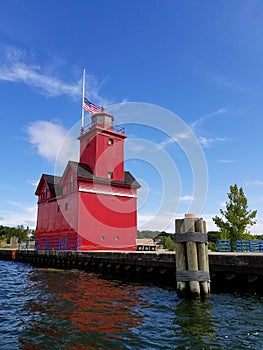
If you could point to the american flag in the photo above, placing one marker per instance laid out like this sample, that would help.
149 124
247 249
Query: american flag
90 107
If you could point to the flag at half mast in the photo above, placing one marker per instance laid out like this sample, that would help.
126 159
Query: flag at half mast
90 107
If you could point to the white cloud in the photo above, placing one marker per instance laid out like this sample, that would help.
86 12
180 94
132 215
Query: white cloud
16 66
226 161
208 141
204 141
5 187
22 215
223 81
175 138
155 222
218 112
254 230
134 147
187 198
254 183
32 182
51 140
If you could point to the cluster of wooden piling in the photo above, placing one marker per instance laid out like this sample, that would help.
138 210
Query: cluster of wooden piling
192 266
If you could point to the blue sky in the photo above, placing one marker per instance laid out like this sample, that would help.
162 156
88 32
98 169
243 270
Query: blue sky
200 60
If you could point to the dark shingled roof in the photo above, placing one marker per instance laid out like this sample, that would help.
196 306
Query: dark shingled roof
84 172
53 183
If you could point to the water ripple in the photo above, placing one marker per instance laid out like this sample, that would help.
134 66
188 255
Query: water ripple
54 309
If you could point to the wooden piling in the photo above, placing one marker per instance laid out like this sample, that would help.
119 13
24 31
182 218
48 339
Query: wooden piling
192 268
202 256
192 259
181 263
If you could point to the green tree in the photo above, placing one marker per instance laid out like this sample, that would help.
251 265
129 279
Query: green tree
168 243
234 221
20 231
148 234
213 237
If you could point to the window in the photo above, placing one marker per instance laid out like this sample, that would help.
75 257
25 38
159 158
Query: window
66 206
102 238
44 194
110 175
71 187
110 142
59 209
116 238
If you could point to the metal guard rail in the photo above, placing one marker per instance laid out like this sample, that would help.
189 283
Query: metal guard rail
252 245
59 244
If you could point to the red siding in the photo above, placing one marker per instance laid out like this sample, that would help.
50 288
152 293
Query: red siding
101 156
103 226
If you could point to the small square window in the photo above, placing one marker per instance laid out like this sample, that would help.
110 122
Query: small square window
110 142
59 209
110 174
66 206
102 238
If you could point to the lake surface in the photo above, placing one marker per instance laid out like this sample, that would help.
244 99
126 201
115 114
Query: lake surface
56 309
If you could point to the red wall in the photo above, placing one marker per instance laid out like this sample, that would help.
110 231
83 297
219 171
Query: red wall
112 217
100 156
92 216
52 222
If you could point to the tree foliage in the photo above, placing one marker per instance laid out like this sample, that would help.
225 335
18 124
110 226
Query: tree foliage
164 238
148 234
168 243
236 219
20 231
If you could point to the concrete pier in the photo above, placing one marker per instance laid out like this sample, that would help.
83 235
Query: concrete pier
228 271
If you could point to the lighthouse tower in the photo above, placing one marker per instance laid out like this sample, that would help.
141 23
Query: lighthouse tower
102 147
96 199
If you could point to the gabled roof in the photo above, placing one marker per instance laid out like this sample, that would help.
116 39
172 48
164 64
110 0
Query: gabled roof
53 183
83 171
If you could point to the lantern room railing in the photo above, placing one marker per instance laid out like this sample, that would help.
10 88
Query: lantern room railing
117 128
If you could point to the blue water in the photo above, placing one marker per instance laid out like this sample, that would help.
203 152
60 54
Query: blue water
55 309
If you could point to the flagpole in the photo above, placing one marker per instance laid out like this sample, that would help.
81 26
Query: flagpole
83 95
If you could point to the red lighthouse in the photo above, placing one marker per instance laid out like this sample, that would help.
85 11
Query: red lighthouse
95 201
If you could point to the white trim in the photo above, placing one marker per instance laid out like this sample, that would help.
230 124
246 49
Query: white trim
107 193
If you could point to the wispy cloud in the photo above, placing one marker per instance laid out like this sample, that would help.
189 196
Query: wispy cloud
254 183
175 138
187 198
211 226
16 66
219 112
224 81
204 141
32 182
5 187
23 214
226 161
208 141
